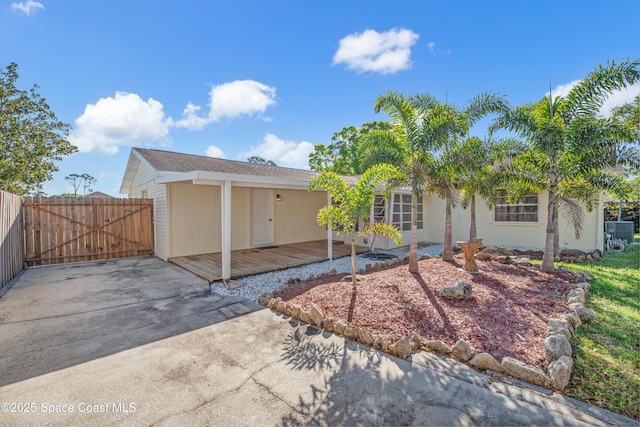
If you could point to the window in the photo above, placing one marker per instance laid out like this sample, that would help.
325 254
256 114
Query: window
402 212
524 210
379 214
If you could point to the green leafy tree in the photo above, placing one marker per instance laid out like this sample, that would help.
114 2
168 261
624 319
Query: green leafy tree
353 206
570 146
261 161
32 139
84 182
350 151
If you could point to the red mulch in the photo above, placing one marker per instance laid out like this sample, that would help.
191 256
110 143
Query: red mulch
507 315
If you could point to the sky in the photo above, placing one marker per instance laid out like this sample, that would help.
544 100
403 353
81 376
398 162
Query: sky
234 79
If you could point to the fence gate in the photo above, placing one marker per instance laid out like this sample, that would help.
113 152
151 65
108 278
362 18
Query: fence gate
59 230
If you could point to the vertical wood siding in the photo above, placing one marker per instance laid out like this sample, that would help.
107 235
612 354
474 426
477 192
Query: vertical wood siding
11 250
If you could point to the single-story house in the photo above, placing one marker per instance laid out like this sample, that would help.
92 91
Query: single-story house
211 205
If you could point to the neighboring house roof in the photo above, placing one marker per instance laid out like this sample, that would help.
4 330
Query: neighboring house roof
99 194
170 166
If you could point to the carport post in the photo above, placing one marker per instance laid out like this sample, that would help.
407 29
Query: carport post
329 233
225 198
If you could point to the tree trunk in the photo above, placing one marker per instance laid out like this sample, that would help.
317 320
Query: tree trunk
547 259
472 229
447 253
354 279
556 234
413 247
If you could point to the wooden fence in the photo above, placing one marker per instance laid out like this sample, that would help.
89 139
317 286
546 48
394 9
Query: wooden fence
11 254
61 230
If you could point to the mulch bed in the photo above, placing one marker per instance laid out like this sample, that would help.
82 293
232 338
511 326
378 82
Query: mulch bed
507 315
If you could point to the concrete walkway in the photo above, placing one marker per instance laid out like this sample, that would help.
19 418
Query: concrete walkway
141 342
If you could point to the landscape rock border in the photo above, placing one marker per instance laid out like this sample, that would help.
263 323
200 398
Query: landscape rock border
557 346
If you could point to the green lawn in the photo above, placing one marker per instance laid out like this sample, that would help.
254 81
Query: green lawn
606 372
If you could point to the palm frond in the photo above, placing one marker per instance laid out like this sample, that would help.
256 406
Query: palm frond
572 212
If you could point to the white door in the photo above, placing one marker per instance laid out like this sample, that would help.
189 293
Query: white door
261 217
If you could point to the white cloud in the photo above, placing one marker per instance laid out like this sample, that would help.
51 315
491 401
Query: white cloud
213 151
616 99
285 153
124 120
230 100
385 53
27 7
436 50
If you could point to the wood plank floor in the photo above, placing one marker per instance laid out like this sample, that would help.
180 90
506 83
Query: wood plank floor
247 262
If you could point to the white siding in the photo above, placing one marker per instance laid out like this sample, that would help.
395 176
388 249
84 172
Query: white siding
295 216
510 234
194 218
158 192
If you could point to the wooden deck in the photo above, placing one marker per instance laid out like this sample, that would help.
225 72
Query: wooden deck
247 262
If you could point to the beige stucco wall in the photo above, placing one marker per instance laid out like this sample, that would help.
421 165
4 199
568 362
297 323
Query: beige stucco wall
295 216
511 234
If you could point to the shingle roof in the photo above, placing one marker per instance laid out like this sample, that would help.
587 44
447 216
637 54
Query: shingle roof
168 161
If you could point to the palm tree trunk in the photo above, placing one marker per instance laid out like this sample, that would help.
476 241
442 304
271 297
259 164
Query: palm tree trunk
354 279
472 230
447 253
413 247
547 259
556 234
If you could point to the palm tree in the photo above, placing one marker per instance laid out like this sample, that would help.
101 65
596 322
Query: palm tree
353 205
444 125
568 143
407 119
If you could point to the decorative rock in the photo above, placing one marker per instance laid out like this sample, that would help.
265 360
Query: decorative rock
461 291
525 372
316 314
365 337
560 372
461 351
556 346
264 299
340 326
502 259
576 296
572 318
483 256
503 251
328 324
425 256
438 346
287 309
575 305
376 266
367 268
351 331
584 285
485 361
311 276
333 272
402 348
585 314
305 317
296 311
559 327
273 302
416 342
583 276
280 306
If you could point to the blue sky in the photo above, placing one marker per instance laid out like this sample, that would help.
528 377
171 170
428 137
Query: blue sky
273 78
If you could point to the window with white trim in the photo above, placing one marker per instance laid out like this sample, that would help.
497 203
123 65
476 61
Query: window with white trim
402 212
379 210
524 210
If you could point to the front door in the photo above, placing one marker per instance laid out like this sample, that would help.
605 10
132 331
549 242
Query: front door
261 217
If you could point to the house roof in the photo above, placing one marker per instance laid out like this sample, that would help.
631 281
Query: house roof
169 161
99 194
170 166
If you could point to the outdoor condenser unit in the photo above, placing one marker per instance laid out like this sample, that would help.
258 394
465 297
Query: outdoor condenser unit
620 230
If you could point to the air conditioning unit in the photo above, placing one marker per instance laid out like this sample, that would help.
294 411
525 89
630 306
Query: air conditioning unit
620 230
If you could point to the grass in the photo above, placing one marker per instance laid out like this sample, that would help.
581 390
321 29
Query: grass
606 370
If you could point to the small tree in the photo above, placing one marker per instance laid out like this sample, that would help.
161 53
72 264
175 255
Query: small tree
353 206
261 161
84 181
31 137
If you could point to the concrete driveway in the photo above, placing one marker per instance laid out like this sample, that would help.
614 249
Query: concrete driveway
138 341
